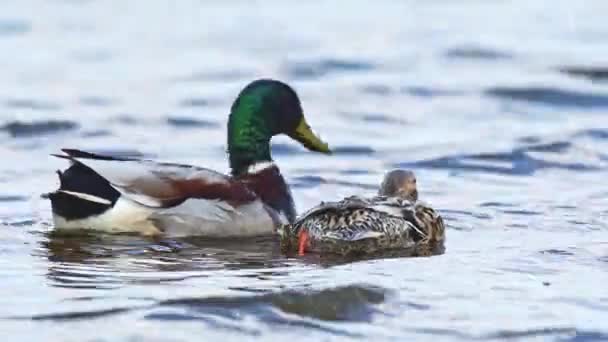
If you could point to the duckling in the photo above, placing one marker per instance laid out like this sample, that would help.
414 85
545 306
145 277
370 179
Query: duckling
393 219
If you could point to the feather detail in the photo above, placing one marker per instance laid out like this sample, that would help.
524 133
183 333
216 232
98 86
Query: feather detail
163 185
366 225
366 235
87 197
270 186
259 167
359 235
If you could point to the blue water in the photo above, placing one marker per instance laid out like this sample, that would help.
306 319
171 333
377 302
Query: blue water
500 107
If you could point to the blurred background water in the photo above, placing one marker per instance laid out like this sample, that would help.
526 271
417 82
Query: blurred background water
499 107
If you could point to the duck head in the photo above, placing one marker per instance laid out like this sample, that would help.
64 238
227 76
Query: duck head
263 109
399 183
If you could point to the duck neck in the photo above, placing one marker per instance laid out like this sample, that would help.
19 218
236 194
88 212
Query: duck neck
242 158
248 142
268 183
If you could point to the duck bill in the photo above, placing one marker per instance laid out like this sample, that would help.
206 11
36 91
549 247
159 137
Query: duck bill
304 135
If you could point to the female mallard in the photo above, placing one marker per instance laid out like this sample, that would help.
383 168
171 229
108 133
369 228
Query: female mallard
133 195
394 219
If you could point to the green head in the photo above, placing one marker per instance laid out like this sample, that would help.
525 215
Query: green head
263 109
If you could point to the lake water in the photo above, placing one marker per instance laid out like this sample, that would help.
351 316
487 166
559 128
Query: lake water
500 107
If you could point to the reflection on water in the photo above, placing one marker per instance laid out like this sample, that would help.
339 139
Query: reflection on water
306 310
90 260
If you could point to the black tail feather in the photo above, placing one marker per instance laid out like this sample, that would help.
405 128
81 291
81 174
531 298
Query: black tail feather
74 153
60 176
79 178
63 156
83 179
48 195
73 208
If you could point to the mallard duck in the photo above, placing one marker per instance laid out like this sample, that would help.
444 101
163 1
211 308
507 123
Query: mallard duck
393 219
114 194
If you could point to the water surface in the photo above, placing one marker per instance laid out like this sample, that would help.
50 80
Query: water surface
499 107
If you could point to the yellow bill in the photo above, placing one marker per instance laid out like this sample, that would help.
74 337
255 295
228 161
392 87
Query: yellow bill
308 138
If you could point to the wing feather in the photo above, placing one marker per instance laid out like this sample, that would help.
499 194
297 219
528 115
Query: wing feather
157 184
389 205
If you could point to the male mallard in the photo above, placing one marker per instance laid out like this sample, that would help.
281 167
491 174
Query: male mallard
394 219
132 195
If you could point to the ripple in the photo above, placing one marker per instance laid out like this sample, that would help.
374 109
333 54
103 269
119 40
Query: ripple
79 315
476 53
502 334
377 89
194 102
496 205
592 73
522 212
12 198
517 199
554 147
460 163
186 122
480 216
372 117
22 129
535 332
285 149
419 91
564 207
75 276
550 96
126 119
354 172
353 150
223 75
31 104
21 223
307 182
96 101
350 303
415 306
529 139
96 133
581 302
212 322
594 133
12 27
518 162
324 67
556 252
586 336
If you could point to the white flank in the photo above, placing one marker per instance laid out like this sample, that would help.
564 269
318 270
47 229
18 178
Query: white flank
195 217
259 167
87 197
124 216
199 217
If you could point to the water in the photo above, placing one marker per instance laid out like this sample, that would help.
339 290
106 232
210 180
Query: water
499 107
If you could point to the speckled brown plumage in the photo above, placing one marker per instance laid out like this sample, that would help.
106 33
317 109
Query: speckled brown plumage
356 225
